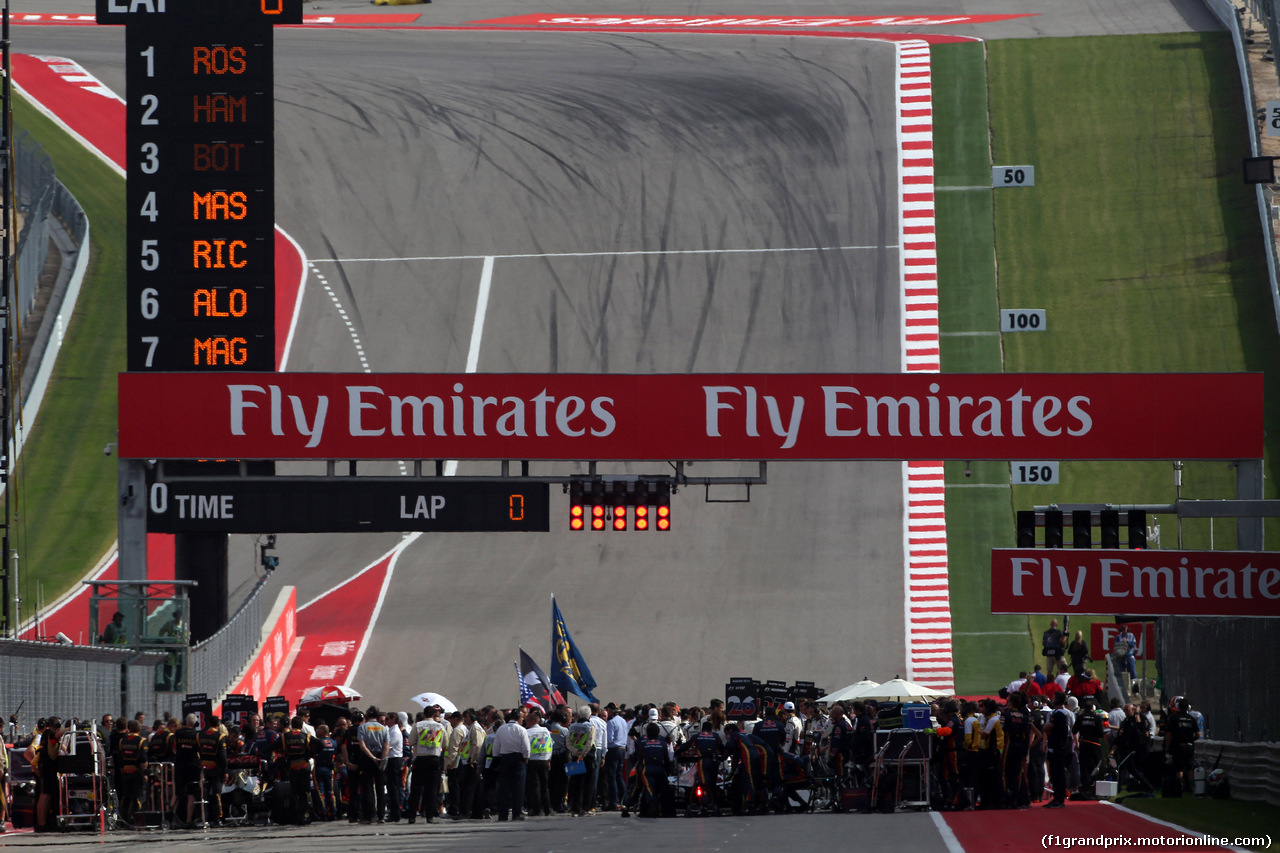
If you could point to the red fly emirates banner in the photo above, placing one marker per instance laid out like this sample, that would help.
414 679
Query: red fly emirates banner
1159 583
694 417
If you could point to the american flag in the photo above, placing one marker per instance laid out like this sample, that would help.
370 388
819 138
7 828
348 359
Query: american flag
526 695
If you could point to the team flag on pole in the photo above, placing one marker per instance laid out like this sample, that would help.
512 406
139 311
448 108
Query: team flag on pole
539 685
569 670
526 695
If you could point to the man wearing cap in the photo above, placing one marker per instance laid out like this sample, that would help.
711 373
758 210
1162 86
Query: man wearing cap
428 740
113 634
793 735
373 747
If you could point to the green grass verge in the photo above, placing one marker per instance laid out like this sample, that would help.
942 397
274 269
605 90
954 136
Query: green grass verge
986 648
65 516
1140 242
1229 819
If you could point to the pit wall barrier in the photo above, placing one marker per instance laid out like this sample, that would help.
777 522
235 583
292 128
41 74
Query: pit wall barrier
1229 14
268 662
1253 769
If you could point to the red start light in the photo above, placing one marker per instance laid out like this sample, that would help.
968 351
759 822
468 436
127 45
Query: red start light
619 522
575 511
575 523
642 518
597 523
664 518
597 511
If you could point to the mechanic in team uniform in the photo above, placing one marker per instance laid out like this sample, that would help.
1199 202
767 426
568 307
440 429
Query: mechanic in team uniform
1090 731
709 751
748 782
771 730
326 752
131 758
841 742
1020 735
653 757
1181 731
296 751
949 735
991 756
186 765
212 747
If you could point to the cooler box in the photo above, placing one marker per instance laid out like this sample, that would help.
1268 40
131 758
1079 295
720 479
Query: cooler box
1103 788
915 715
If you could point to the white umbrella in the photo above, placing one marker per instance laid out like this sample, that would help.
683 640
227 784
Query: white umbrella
848 692
428 699
329 694
898 689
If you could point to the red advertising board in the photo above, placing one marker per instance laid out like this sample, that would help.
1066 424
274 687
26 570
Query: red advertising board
1158 583
1102 639
690 416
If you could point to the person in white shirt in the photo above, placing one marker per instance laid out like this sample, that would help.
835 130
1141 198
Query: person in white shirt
669 723
1064 676
1016 684
395 767
305 714
511 750
537 794
428 742
793 736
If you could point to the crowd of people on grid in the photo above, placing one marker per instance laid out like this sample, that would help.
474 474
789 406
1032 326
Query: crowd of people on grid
486 763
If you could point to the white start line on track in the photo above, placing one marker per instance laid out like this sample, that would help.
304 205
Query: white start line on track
691 22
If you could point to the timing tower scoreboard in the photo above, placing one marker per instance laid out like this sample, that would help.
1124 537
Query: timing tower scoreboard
201 181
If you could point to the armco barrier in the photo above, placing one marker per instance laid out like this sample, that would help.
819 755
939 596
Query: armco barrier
278 634
1252 768
1228 14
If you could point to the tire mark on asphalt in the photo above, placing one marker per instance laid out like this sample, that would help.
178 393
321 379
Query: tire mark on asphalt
711 262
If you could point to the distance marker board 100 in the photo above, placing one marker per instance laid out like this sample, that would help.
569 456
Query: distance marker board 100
201 181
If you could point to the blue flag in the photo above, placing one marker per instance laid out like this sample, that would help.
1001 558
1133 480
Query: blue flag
568 670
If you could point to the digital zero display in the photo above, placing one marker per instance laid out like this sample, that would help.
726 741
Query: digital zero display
238 505
201 181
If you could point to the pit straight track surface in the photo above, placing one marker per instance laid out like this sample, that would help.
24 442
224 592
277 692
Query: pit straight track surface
423 153
688 173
